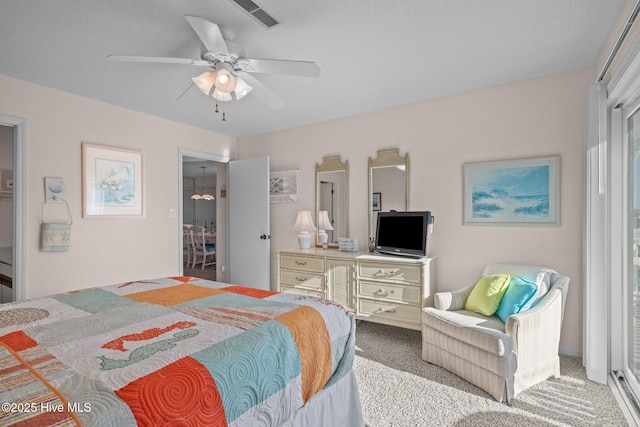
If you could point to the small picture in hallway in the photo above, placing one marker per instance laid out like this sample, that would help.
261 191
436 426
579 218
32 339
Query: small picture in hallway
6 186
512 192
376 202
111 182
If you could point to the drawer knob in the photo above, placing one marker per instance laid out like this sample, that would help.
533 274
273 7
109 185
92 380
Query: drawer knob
300 280
381 292
388 310
381 273
301 262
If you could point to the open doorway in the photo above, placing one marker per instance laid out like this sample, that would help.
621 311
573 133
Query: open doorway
18 163
203 175
6 214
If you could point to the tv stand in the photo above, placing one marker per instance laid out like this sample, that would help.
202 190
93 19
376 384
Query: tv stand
378 288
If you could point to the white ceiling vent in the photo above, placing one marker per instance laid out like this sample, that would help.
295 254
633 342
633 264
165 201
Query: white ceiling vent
257 12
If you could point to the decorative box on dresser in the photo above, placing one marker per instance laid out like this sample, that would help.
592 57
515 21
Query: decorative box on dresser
383 289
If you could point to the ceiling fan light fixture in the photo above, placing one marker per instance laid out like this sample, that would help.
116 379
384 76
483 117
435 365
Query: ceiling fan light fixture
225 81
242 88
221 96
205 81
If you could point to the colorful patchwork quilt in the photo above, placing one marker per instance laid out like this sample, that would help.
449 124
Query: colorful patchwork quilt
169 351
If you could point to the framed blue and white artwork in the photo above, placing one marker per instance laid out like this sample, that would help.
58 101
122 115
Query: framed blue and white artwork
513 192
111 182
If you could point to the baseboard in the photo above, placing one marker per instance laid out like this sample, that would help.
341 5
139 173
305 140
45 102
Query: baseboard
570 352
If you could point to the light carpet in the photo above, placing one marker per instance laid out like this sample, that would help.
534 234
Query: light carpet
398 388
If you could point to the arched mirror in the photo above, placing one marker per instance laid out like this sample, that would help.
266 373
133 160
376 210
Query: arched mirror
332 197
388 184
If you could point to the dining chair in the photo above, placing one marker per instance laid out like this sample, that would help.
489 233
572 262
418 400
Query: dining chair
202 248
188 244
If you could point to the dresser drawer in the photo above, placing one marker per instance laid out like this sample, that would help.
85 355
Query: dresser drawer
298 291
301 278
315 264
387 291
409 273
389 311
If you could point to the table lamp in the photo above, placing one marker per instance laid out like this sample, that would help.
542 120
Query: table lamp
324 223
304 224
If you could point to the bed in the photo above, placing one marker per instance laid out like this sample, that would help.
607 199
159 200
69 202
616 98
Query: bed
177 351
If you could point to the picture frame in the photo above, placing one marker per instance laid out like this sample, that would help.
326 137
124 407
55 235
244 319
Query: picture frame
513 192
53 188
283 186
376 202
112 182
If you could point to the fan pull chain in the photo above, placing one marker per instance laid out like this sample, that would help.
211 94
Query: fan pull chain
223 113
217 107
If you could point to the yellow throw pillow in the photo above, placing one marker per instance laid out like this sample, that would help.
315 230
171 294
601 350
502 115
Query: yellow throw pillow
487 293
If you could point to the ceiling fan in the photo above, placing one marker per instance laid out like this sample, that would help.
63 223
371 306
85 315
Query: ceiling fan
229 71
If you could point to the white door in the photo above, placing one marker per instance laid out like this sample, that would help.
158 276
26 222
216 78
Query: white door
249 234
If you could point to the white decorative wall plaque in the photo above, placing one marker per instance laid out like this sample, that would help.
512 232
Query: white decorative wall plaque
283 186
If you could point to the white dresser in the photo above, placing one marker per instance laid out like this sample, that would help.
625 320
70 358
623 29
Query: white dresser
322 273
383 289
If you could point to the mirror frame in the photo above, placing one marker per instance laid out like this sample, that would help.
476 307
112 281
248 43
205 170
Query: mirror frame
333 164
387 157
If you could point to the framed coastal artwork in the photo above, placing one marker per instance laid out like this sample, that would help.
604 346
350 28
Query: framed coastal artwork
112 182
513 192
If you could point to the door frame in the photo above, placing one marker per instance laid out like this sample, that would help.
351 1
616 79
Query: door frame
182 153
19 204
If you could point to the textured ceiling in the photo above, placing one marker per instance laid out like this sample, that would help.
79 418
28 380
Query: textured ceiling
372 54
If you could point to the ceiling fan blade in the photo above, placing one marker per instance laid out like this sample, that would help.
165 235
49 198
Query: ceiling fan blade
158 59
263 93
278 66
209 33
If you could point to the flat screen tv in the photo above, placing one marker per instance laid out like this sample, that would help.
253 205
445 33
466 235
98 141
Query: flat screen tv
403 233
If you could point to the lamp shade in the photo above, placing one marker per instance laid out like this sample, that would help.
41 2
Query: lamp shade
324 223
304 224
225 81
221 96
242 88
205 81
